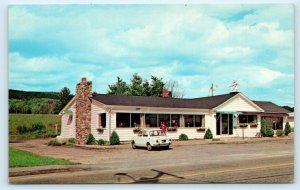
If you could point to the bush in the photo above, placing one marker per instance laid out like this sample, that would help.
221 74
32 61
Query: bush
183 137
101 142
287 129
54 143
263 129
50 133
38 127
208 134
91 140
71 141
114 139
279 133
22 129
269 132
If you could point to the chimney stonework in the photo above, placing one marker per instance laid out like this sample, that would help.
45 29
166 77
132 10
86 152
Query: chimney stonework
83 110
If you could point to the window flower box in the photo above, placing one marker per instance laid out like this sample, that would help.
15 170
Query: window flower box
243 125
172 129
253 125
200 129
100 130
136 129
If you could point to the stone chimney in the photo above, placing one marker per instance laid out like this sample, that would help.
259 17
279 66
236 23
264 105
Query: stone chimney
83 110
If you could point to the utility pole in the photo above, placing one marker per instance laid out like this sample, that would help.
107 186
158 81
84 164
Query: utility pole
212 89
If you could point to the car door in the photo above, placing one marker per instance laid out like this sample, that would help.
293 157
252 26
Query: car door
138 139
144 138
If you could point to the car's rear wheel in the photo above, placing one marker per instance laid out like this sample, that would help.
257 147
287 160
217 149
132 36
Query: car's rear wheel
149 147
133 145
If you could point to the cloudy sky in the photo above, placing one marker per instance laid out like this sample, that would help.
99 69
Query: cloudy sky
54 46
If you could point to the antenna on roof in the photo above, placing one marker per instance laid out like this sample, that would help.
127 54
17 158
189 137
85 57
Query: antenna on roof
234 86
212 89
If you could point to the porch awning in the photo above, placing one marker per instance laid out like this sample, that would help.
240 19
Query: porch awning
230 112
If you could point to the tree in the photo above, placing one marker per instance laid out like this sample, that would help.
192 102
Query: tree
137 87
64 97
173 87
156 86
119 88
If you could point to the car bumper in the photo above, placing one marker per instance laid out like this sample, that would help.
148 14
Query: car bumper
161 145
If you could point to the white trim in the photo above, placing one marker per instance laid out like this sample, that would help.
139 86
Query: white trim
242 96
69 104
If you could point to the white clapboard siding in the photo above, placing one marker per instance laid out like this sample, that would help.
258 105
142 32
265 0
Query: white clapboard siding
68 131
95 111
125 134
248 132
238 103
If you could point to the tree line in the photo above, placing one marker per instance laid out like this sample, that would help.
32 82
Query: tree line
38 102
53 102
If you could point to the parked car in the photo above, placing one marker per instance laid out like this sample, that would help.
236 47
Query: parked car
150 139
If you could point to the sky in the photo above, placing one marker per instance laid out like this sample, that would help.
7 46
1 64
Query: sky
52 46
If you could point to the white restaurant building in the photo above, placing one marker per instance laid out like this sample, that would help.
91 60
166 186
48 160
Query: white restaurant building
227 115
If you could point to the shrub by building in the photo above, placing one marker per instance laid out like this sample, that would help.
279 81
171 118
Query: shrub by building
183 137
263 129
114 138
287 129
208 134
279 133
90 140
269 132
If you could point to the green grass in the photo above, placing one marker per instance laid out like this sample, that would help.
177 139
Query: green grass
28 120
20 158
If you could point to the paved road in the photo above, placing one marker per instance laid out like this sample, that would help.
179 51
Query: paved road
262 162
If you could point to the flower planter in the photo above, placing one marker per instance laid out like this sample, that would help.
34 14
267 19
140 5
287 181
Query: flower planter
244 125
100 130
254 125
136 130
200 129
172 129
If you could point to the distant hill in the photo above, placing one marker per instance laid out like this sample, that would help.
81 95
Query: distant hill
19 94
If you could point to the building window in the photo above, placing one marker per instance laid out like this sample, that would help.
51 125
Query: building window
102 120
123 120
198 120
274 122
70 119
135 120
189 120
247 119
175 120
164 118
151 120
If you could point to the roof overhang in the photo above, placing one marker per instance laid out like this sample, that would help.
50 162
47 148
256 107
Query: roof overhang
69 104
258 109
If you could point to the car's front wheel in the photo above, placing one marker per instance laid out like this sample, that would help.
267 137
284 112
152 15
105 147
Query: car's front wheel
133 145
149 147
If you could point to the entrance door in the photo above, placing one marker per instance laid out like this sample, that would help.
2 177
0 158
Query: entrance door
225 124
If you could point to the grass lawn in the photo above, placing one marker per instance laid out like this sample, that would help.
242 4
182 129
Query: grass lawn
20 158
28 120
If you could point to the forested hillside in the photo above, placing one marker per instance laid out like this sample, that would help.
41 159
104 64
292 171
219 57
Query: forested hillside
18 94
38 102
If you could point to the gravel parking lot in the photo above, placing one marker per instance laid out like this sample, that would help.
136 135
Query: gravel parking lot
186 159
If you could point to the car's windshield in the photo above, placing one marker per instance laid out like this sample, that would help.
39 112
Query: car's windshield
156 133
